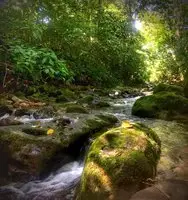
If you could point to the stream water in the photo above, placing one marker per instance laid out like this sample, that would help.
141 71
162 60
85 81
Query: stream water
61 183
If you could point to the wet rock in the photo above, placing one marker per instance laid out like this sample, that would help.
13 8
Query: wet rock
170 189
10 193
9 122
46 112
69 94
125 92
87 99
28 155
64 121
77 133
35 131
100 104
76 109
121 157
61 99
163 105
181 170
5 110
21 112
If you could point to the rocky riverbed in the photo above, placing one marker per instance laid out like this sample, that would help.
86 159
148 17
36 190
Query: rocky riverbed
42 146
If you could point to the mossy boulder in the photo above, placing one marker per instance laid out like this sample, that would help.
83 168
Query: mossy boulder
120 157
69 94
168 88
100 104
61 99
26 156
163 105
74 108
86 100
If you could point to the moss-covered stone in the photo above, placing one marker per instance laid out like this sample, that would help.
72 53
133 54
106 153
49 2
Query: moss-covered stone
87 99
101 104
27 155
120 157
4 109
45 112
69 94
161 105
61 99
168 88
76 109
35 131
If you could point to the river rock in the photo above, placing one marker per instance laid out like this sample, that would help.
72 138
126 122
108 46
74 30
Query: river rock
35 131
46 112
168 88
27 151
76 109
84 126
5 110
100 104
163 105
10 193
120 158
22 111
9 121
170 189
26 155
61 99
88 99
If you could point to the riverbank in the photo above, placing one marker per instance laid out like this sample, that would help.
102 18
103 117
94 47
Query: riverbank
173 136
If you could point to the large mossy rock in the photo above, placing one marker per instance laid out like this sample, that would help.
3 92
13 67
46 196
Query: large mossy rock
168 88
162 105
25 156
119 158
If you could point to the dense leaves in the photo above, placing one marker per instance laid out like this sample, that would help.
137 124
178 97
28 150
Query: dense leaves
95 42
37 64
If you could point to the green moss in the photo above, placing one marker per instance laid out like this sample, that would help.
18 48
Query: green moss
87 99
120 156
35 131
21 147
90 126
61 99
108 118
160 105
76 109
69 94
168 88
101 104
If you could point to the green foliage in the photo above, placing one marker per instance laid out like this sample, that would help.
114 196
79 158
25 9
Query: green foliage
97 40
38 64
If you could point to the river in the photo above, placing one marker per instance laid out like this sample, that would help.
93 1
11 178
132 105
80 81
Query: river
61 183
